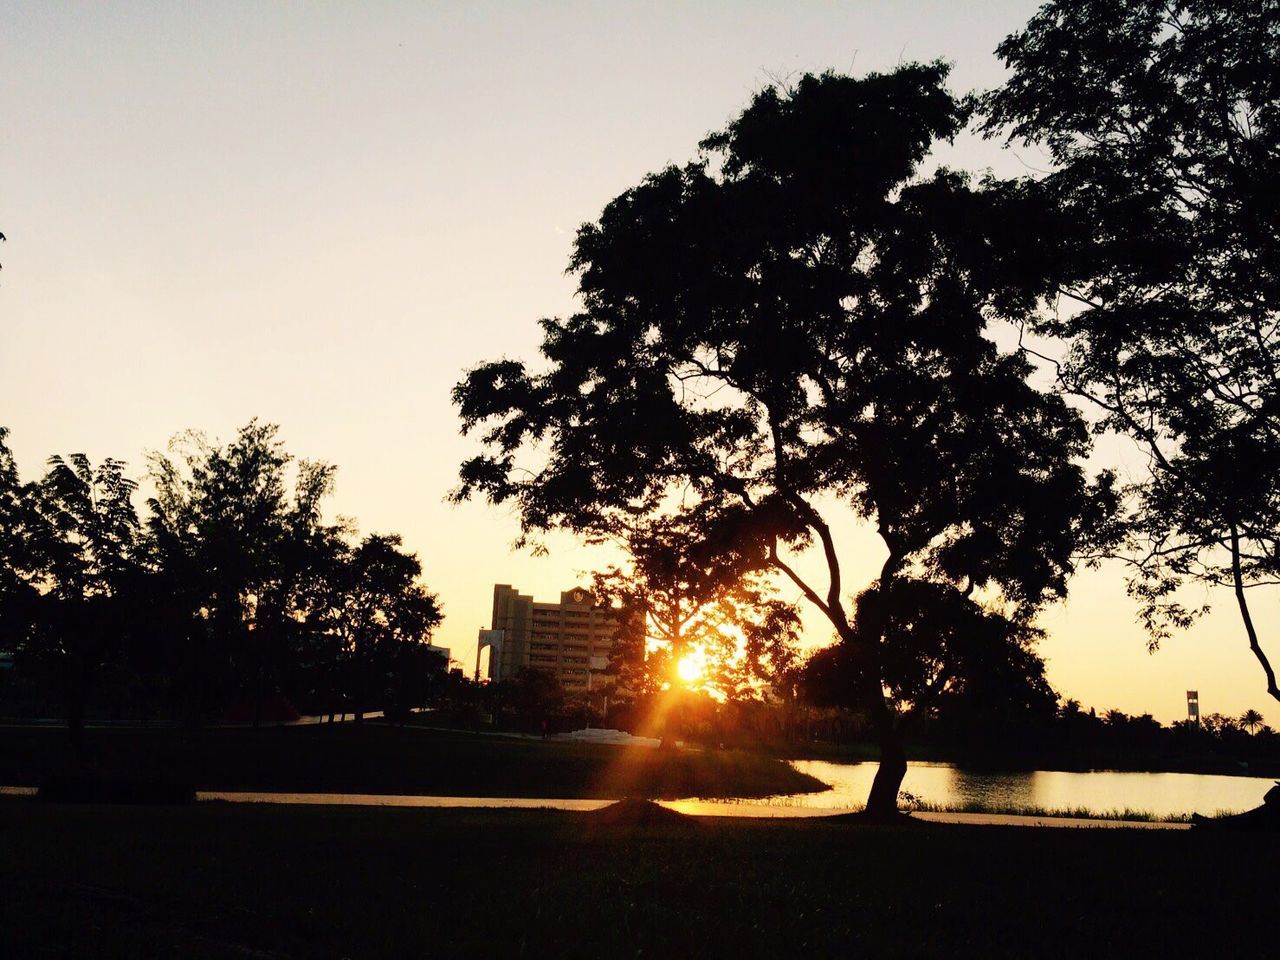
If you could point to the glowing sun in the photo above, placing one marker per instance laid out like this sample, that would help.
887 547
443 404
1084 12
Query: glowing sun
692 667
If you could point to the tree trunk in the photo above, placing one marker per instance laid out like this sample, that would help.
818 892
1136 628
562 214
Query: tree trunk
882 802
1237 576
75 722
77 695
361 698
257 698
197 693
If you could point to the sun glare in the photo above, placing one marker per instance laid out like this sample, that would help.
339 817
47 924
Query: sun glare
692 667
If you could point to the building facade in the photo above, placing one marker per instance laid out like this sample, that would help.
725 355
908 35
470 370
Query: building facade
570 639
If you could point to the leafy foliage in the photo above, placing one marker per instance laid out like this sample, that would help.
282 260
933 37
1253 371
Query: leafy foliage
685 595
1162 120
17 592
72 573
376 611
945 646
790 322
240 550
234 590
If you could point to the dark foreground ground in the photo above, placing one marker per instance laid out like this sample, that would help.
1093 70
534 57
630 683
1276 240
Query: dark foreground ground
229 880
377 758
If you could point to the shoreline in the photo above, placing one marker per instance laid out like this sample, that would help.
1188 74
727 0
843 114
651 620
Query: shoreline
730 808
1052 763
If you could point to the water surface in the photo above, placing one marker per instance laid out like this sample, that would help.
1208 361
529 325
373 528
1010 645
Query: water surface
1098 791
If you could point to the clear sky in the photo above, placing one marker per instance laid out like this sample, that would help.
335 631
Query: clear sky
320 214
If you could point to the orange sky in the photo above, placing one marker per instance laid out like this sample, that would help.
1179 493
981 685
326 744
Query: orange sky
320 214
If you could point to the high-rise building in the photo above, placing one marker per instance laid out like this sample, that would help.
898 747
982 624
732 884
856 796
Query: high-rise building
570 639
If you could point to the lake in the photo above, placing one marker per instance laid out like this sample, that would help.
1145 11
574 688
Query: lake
1099 791
942 784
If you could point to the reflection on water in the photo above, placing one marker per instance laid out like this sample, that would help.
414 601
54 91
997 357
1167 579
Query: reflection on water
400 800
1099 791
769 807
941 784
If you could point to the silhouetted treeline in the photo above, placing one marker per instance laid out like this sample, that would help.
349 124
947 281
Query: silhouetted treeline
1064 735
229 598
1120 739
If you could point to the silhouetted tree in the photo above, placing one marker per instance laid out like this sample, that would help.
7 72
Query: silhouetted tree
784 328
378 610
954 664
236 545
85 567
18 564
1219 724
682 594
1251 720
235 589
1162 122
534 695
415 675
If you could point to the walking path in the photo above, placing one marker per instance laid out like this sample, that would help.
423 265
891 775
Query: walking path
1021 820
698 808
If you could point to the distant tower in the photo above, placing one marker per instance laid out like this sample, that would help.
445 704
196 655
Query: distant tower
1193 707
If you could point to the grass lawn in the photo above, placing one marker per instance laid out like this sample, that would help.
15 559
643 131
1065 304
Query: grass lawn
376 758
233 880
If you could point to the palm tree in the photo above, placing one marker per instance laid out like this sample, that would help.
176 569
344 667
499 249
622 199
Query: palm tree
1251 720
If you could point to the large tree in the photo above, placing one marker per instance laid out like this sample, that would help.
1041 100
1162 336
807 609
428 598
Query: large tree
238 534
784 329
1159 250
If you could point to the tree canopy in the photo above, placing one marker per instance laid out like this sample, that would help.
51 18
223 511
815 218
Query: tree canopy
1162 123
790 325
233 591
377 610
73 573
695 614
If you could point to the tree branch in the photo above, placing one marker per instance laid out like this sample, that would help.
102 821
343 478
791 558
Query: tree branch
1238 577
808 591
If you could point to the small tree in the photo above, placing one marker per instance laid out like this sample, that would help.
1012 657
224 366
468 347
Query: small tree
1251 720
695 613
784 328
534 695
952 656
83 577
1219 724
376 607
18 564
